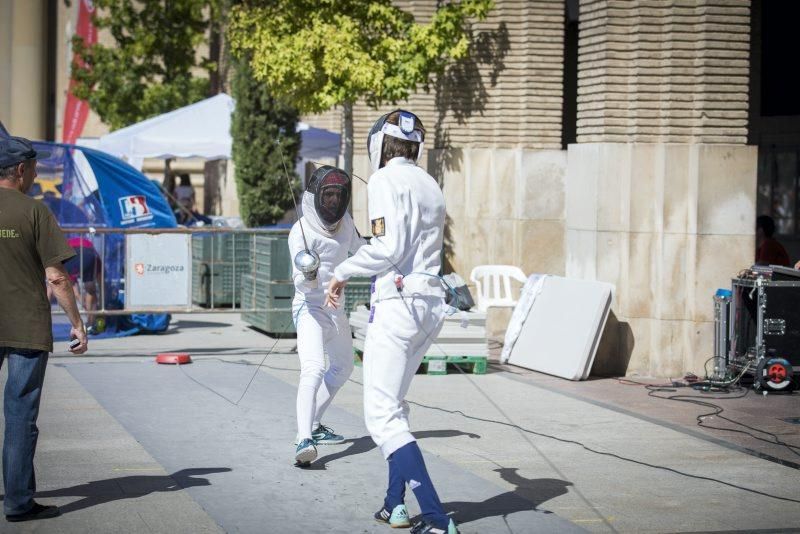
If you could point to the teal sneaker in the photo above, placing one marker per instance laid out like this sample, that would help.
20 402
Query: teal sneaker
306 453
323 435
397 519
424 528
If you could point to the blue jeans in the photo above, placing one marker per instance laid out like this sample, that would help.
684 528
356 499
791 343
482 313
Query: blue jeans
21 408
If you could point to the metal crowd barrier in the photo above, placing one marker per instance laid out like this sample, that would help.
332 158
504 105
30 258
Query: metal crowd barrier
259 265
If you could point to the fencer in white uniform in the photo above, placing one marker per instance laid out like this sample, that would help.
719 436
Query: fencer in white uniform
325 232
407 213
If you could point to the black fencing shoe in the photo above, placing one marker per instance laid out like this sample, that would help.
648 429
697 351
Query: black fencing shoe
37 512
424 528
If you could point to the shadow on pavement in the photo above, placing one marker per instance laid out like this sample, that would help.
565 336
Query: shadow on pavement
365 443
528 495
114 489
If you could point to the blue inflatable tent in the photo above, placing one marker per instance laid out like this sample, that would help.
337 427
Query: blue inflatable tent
88 188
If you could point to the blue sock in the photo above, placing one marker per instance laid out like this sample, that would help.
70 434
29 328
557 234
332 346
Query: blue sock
396 492
411 467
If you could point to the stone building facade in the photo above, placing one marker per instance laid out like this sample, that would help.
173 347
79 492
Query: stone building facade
617 152
494 139
660 186
629 141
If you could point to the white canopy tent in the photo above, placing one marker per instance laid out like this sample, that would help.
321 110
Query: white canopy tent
201 130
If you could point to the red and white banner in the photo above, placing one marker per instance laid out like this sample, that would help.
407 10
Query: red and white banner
76 111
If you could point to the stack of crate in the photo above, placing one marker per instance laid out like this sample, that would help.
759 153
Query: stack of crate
461 341
219 261
270 286
356 294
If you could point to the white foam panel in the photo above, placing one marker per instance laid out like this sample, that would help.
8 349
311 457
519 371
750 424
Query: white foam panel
562 330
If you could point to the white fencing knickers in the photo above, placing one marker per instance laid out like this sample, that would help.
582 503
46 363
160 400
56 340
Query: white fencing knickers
320 332
400 332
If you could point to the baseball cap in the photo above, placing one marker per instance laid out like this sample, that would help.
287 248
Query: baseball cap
15 150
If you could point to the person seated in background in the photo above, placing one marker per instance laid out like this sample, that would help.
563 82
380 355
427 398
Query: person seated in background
192 218
184 193
185 214
768 250
87 271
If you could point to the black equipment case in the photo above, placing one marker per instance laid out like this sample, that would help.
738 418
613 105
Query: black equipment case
765 317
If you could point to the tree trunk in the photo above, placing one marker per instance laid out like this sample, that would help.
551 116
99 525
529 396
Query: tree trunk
211 187
347 118
169 179
215 55
211 169
168 183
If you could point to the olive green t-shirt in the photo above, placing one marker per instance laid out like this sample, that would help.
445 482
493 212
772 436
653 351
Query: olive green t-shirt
30 240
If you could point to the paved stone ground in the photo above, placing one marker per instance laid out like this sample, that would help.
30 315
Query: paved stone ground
103 479
130 446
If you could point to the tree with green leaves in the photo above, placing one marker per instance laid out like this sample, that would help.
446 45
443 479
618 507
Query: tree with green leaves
152 65
264 138
318 54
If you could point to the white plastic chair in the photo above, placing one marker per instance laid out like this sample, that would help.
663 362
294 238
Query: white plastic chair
493 285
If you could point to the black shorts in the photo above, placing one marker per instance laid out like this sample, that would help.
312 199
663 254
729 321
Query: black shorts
90 263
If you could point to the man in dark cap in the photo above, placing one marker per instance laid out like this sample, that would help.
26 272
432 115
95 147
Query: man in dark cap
32 250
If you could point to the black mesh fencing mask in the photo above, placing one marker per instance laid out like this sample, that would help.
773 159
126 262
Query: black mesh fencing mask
332 190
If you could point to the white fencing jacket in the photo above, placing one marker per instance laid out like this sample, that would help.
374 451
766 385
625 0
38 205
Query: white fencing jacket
332 247
407 212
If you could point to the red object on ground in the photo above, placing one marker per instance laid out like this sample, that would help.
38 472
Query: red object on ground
174 358
777 373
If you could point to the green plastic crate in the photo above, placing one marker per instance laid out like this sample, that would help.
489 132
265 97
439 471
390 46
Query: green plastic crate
261 294
270 256
234 247
357 292
218 279
437 365
225 258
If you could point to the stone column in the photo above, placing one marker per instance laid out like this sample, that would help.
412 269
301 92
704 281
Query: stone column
22 69
504 206
660 189
668 224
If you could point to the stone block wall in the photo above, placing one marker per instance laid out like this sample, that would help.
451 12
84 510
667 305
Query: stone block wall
658 196
508 94
493 140
660 189
504 206
663 71
668 225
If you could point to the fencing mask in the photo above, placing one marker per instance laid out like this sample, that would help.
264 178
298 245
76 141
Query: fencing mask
405 129
332 190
